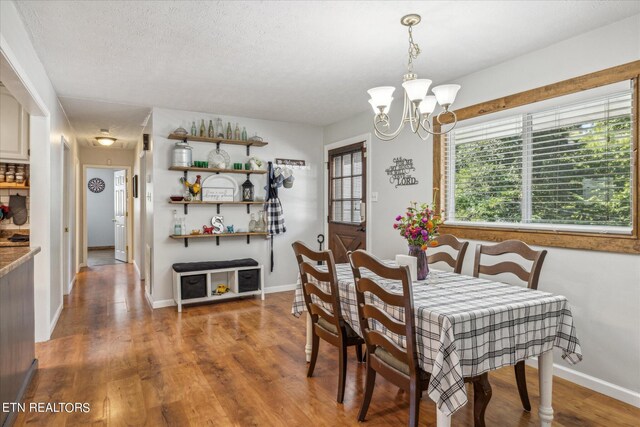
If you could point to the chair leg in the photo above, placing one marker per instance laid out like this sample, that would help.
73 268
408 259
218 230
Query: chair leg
342 373
315 343
521 380
415 393
368 392
481 396
359 353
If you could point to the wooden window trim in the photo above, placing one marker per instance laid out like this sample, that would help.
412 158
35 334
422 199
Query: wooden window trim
574 240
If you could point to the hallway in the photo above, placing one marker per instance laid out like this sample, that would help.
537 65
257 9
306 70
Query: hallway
234 363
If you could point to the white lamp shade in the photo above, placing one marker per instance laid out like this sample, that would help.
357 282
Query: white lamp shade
381 96
446 94
376 110
106 140
416 89
427 105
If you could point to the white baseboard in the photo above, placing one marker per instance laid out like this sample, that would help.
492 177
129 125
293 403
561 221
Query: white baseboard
281 288
71 284
81 265
596 384
163 303
148 298
54 322
135 266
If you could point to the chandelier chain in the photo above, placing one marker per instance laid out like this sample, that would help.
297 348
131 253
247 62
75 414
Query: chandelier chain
414 50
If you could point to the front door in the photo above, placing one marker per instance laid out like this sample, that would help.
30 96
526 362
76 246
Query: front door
120 214
347 195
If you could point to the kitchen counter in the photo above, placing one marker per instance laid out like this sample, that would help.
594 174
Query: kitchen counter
18 361
14 257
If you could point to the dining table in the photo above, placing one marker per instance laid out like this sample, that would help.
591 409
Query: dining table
466 326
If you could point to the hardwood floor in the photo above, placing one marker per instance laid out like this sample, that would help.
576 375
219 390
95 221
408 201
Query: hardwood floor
97 257
236 363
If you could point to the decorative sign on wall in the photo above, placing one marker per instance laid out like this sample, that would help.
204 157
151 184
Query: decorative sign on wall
96 185
400 172
292 163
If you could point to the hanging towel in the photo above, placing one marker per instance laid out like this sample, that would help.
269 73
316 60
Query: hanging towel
18 205
275 214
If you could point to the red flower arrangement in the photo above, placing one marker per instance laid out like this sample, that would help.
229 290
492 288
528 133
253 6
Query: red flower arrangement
419 225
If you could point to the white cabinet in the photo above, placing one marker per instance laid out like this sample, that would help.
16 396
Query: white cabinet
14 129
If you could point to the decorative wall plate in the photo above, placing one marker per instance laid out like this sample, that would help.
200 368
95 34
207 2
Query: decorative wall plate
96 185
219 159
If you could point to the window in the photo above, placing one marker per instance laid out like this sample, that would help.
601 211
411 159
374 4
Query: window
567 167
553 166
346 185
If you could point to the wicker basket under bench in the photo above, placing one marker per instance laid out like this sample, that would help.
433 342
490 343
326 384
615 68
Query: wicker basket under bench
196 282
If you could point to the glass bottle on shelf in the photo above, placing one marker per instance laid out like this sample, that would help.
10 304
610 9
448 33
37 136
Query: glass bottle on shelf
193 129
183 225
203 130
229 131
219 128
236 132
211 133
252 223
177 224
261 225
244 134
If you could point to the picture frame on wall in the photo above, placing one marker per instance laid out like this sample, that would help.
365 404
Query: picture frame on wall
134 184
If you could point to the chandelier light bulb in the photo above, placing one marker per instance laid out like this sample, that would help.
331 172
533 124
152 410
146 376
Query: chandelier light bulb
376 110
416 89
427 105
381 96
446 94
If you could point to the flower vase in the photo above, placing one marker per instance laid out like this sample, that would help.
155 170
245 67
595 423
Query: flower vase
422 265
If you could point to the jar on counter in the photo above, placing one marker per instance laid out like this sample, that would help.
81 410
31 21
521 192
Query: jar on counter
10 177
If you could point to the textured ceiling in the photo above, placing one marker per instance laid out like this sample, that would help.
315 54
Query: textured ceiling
308 62
125 122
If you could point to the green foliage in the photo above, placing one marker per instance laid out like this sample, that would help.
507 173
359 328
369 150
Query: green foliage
581 175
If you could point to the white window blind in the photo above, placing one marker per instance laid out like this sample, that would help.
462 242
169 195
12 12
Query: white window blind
567 167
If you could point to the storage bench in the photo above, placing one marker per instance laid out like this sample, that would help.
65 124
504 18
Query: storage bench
195 282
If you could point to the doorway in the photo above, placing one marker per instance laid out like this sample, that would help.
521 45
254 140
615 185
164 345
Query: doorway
347 196
106 215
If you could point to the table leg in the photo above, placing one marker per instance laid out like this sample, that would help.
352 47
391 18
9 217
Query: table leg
545 377
307 348
442 420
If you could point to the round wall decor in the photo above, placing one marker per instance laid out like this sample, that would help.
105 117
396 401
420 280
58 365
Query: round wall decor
96 185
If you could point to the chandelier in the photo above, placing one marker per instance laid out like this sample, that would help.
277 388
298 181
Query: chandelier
418 106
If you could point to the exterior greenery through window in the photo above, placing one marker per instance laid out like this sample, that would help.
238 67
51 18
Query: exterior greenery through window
567 167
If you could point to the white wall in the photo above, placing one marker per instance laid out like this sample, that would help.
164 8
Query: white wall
302 204
46 131
100 225
603 288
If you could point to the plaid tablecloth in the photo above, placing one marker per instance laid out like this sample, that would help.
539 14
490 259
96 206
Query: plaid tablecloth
467 326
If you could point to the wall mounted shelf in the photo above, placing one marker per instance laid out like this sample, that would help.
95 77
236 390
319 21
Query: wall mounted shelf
199 202
216 170
13 186
217 236
218 141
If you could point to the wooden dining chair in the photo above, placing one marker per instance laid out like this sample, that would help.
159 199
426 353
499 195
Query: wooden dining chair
396 364
457 245
531 277
327 324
